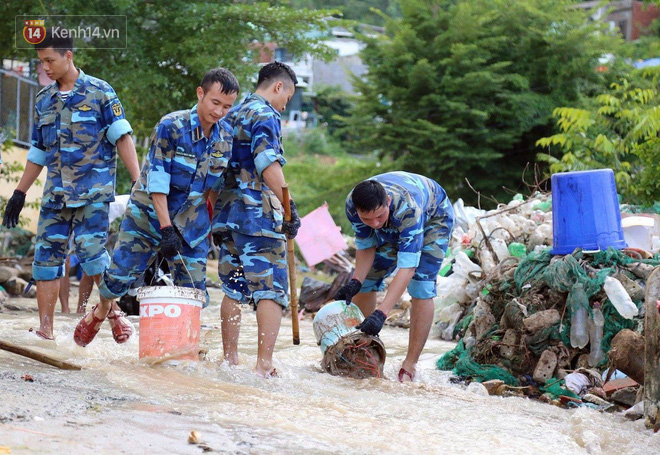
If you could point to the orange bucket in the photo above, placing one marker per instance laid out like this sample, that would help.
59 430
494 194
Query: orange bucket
169 321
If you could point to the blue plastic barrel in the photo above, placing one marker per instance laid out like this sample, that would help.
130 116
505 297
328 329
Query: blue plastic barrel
585 212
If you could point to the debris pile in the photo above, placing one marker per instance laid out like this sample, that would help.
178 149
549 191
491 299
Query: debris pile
14 278
530 319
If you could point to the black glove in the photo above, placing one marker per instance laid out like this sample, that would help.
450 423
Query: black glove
13 209
290 228
348 291
373 323
170 244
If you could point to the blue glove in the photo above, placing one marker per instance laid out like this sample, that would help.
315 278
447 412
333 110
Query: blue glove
373 324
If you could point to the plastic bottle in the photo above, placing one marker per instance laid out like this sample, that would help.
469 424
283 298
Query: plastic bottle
619 298
579 334
487 261
596 336
500 248
517 249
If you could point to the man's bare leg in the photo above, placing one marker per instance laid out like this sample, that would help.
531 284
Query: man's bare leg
47 293
269 319
366 302
421 319
103 308
64 287
85 290
230 315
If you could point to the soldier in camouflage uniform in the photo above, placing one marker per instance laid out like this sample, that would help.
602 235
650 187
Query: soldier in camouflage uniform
249 226
167 211
402 222
77 124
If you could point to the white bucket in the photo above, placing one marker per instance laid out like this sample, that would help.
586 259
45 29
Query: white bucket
335 320
170 321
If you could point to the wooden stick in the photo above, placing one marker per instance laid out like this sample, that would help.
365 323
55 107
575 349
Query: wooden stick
291 262
20 350
652 351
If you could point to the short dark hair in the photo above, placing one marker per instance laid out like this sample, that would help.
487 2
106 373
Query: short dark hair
228 82
276 71
369 196
59 43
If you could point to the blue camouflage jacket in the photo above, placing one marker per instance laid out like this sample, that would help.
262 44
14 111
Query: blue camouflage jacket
246 204
416 201
183 164
75 139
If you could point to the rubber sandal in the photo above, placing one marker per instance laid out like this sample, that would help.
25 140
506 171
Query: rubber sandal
272 374
42 335
122 329
403 373
85 332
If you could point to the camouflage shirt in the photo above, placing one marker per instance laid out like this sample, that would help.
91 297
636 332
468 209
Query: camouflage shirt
416 201
183 164
75 139
246 204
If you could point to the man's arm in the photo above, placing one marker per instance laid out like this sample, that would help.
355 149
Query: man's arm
160 204
30 174
395 289
274 178
128 155
364 259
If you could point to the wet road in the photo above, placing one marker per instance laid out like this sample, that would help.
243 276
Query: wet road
119 404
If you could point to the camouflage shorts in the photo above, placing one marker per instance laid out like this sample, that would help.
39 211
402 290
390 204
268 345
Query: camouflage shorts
422 284
253 267
137 246
87 225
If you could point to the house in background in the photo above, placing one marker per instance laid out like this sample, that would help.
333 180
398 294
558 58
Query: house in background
629 16
17 97
312 72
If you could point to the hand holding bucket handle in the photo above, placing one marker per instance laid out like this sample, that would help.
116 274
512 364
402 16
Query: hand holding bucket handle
290 259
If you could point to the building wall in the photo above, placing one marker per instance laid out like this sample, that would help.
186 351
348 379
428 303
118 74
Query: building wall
643 15
19 154
339 71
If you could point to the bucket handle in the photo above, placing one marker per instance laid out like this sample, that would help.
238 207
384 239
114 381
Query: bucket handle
192 282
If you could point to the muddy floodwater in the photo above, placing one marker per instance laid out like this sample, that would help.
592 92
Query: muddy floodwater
119 404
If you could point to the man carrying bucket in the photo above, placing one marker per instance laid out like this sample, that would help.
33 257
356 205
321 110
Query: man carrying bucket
403 222
249 227
77 124
167 210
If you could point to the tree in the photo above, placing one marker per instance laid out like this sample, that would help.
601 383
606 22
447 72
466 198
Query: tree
465 88
333 106
364 11
172 44
619 130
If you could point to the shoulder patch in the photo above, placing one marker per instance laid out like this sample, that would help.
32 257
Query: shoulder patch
116 109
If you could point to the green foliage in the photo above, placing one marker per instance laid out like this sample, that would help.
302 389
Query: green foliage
333 106
10 172
364 11
312 141
172 44
619 130
319 171
464 89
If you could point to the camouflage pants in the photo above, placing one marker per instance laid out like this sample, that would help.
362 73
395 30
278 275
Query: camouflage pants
422 284
137 246
252 266
89 226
